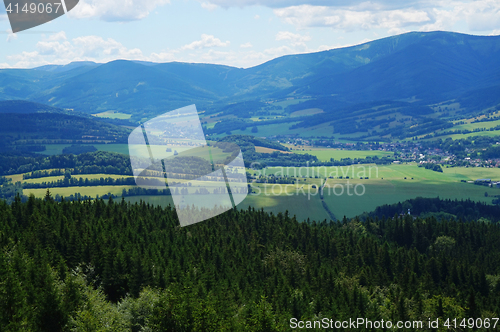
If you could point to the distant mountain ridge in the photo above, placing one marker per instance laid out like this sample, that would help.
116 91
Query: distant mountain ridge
428 66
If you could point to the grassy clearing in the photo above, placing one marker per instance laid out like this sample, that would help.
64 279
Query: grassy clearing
371 194
262 149
89 191
56 149
326 154
113 115
298 205
386 185
460 136
389 172
15 178
77 176
306 112
477 125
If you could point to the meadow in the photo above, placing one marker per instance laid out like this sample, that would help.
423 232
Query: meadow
379 185
113 115
388 184
326 153
89 191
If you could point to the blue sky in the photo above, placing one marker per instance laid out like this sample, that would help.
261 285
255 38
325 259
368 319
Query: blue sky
241 33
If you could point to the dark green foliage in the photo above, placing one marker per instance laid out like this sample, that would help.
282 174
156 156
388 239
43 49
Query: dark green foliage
87 163
432 167
465 210
245 140
241 271
25 107
49 128
78 149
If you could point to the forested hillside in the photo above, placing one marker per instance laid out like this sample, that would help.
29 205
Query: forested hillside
113 266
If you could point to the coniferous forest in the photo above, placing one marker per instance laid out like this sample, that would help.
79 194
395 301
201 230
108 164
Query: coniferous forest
115 266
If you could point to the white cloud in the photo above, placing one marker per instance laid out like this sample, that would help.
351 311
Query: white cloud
59 50
116 10
396 16
350 20
246 45
480 15
257 17
294 38
56 49
11 36
162 56
57 36
206 41
289 3
208 6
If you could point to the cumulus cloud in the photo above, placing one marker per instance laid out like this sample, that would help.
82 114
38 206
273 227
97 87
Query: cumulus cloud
246 45
209 6
289 3
206 41
350 20
294 38
480 15
116 10
11 36
57 49
394 15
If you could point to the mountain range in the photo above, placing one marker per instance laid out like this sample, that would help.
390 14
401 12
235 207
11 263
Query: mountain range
421 67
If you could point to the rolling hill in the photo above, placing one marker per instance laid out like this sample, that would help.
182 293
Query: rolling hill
419 69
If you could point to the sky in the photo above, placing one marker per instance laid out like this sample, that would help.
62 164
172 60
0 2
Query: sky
239 33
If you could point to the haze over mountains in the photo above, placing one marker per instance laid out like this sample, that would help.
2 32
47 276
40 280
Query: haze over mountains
418 67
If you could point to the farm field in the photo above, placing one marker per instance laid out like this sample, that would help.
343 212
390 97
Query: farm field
76 176
390 185
297 205
261 149
327 153
344 197
306 112
476 125
486 133
388 172
284 129
89 191
113 115
373 193
57 149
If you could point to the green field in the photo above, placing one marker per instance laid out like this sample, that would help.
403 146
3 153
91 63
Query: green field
56 149
374 193
326 154
283 129
476 125
113 115
461 136
89 191
344 197
306 112
386 185
77 176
